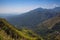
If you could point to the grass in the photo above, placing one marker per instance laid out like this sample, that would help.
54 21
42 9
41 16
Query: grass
23 34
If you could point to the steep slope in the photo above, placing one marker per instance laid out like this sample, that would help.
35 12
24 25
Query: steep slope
49 29
56 27
4 36
45 26
50 22
54 32
9 32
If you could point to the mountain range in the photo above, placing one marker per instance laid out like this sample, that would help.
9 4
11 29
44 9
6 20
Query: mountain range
33 17
43 22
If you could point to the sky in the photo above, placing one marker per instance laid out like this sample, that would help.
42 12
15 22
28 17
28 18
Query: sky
22 6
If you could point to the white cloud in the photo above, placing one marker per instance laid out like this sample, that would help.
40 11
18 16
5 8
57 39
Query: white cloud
24 9
49 6
15 9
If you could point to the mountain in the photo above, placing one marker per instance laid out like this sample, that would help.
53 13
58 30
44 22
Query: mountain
48 24
37 24
49 28
57 9
9 32
33 17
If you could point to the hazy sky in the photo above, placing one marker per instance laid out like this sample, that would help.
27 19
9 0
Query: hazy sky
21 6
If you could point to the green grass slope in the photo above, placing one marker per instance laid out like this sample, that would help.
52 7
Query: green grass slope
9 32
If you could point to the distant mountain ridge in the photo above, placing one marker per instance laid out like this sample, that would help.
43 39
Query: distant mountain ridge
34 17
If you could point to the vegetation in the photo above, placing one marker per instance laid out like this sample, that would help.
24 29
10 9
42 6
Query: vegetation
9 32
50 30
